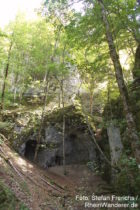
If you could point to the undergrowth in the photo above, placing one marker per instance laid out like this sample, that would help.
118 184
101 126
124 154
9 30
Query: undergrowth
8 200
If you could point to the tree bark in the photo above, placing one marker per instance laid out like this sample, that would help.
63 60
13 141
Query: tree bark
91 102
15 86
42 117
121 84
63 129
59 100
63 106
5 76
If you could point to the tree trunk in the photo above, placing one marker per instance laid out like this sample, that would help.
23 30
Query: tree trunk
91 102
110 114
63 129
42 117
59 99
121 84
5 76
15 88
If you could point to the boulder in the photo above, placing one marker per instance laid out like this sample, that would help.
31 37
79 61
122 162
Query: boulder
79 148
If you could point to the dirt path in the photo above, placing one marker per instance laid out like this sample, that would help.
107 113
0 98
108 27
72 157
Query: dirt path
47 189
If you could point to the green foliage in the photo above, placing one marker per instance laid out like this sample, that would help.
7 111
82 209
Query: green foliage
94 167
1 141
128 180
8 201
38 46
23 207
114 110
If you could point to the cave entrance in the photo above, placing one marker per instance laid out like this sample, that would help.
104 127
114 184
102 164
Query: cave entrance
58 160
30 149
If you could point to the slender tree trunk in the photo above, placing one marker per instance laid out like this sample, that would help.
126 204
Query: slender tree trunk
63 106
42 117
110 114
59 99
63 129
5 76
15 88
91 102
20 95
121 84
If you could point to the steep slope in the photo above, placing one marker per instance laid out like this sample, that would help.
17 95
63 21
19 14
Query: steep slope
38 189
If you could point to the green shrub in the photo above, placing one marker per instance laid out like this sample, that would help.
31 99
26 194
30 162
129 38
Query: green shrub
7 198
128 180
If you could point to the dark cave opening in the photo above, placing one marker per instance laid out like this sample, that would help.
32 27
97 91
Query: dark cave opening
73 136
58 160
30 152
30 149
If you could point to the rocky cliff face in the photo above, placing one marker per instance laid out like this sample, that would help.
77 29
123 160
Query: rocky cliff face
79 148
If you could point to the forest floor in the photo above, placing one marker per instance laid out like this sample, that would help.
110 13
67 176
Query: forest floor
48 189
